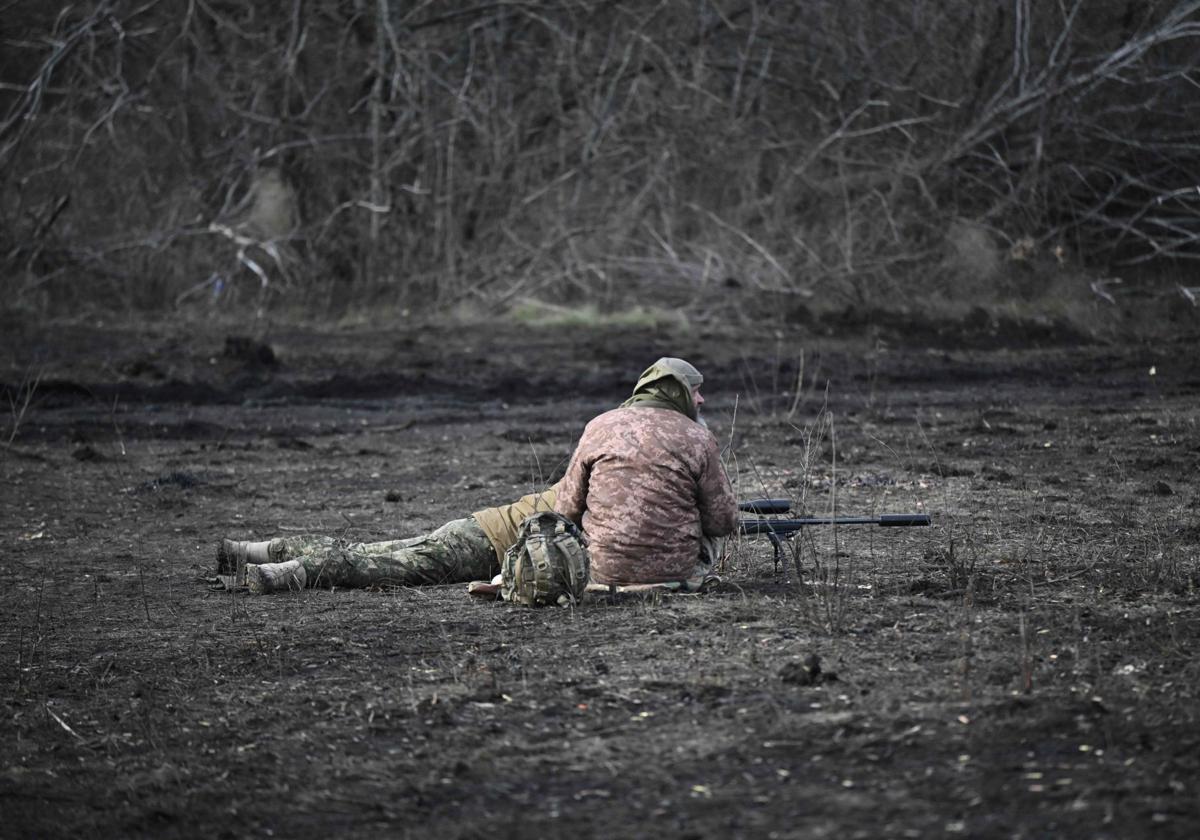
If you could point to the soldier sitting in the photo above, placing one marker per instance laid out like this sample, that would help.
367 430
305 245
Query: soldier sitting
647 485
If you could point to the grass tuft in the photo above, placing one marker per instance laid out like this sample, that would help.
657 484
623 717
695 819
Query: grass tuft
541 314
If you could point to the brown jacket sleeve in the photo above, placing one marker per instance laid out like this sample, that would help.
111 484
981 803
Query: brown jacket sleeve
714 497
571 499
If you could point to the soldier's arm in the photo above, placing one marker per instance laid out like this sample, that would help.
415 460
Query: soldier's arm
571 497
714 495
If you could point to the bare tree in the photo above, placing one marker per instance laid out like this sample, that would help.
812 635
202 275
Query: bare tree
319 151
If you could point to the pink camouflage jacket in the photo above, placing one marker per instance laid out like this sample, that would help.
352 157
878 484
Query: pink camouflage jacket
645 484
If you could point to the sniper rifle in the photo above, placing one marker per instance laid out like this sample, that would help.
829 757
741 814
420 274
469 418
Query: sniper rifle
778 530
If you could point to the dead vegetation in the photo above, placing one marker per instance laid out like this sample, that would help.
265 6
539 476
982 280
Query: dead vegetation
323 155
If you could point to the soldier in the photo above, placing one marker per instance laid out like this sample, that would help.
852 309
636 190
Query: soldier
647 485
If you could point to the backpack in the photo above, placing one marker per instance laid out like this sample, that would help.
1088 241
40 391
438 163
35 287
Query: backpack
548 564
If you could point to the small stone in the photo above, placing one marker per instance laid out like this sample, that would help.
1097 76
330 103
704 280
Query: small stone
249 352
87 453
993 473
807 672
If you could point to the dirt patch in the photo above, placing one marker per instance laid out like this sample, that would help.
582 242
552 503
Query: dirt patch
1022 668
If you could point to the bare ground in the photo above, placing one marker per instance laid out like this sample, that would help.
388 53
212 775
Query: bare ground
1024 668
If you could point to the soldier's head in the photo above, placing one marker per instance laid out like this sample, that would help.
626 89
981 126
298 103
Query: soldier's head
675 382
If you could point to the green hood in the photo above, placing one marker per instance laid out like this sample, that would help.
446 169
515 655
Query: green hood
667 383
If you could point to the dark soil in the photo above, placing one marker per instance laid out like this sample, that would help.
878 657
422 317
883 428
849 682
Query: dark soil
1024 668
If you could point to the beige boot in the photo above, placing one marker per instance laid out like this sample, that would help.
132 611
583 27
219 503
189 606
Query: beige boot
265 578
233 555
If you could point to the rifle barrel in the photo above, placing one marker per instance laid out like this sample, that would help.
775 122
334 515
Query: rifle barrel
904 519
771 526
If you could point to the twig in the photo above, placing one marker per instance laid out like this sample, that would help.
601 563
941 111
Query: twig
116 426
1100 288
749 240
145 601
537 462
25 394
62 723
1026 666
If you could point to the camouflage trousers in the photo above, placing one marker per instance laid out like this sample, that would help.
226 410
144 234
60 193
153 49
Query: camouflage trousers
457 552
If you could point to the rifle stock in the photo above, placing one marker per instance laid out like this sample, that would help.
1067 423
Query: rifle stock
766 507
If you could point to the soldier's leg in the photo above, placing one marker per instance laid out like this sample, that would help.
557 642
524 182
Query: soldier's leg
234 555
712 551
458 551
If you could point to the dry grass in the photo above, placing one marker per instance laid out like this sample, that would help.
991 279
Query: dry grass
539 313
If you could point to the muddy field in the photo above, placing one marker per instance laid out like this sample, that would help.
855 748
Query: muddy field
1023 668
